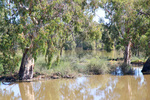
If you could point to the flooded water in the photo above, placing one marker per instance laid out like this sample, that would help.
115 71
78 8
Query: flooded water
102 54
96 87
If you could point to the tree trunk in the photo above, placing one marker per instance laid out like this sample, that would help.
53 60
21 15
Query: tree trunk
61 50
127 53
27 65
146 66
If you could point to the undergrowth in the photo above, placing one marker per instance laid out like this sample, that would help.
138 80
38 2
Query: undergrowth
74 65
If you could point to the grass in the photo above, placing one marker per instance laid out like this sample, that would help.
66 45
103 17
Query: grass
97 66
73 65
138 59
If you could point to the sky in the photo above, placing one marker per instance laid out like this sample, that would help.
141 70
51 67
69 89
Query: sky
100 13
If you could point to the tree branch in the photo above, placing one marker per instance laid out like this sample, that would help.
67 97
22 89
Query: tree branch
143 13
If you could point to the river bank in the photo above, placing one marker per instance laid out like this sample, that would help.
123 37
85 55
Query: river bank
113 70
73 64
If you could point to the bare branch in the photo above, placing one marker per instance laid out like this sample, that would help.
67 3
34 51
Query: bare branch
22 6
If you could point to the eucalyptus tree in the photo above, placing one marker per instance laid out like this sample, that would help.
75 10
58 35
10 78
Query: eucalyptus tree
143 9
125 27
40 26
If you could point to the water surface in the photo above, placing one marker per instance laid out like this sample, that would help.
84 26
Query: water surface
96 87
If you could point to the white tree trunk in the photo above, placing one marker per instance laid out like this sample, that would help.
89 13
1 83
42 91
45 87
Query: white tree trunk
127 54
27 66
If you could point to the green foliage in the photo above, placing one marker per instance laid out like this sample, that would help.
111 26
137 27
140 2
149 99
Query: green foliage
8 40
145 42
9 64
128 21
97 66
88 45
127 69
69 45
44 27
74 64
107 41
64 67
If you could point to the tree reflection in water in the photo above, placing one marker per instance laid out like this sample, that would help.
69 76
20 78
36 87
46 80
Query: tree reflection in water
98 87
26 91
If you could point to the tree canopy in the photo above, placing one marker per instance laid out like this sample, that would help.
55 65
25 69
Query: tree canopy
128 25
47 26
43 26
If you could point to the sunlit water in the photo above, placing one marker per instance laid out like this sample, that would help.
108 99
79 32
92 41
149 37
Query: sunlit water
95 87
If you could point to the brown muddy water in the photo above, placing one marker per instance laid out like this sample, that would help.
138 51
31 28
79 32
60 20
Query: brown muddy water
95 87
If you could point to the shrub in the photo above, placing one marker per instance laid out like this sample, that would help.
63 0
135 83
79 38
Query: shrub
87 45
126 69
97 66
69 45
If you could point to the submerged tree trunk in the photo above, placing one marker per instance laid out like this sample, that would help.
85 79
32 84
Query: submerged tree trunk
127 54
27 65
